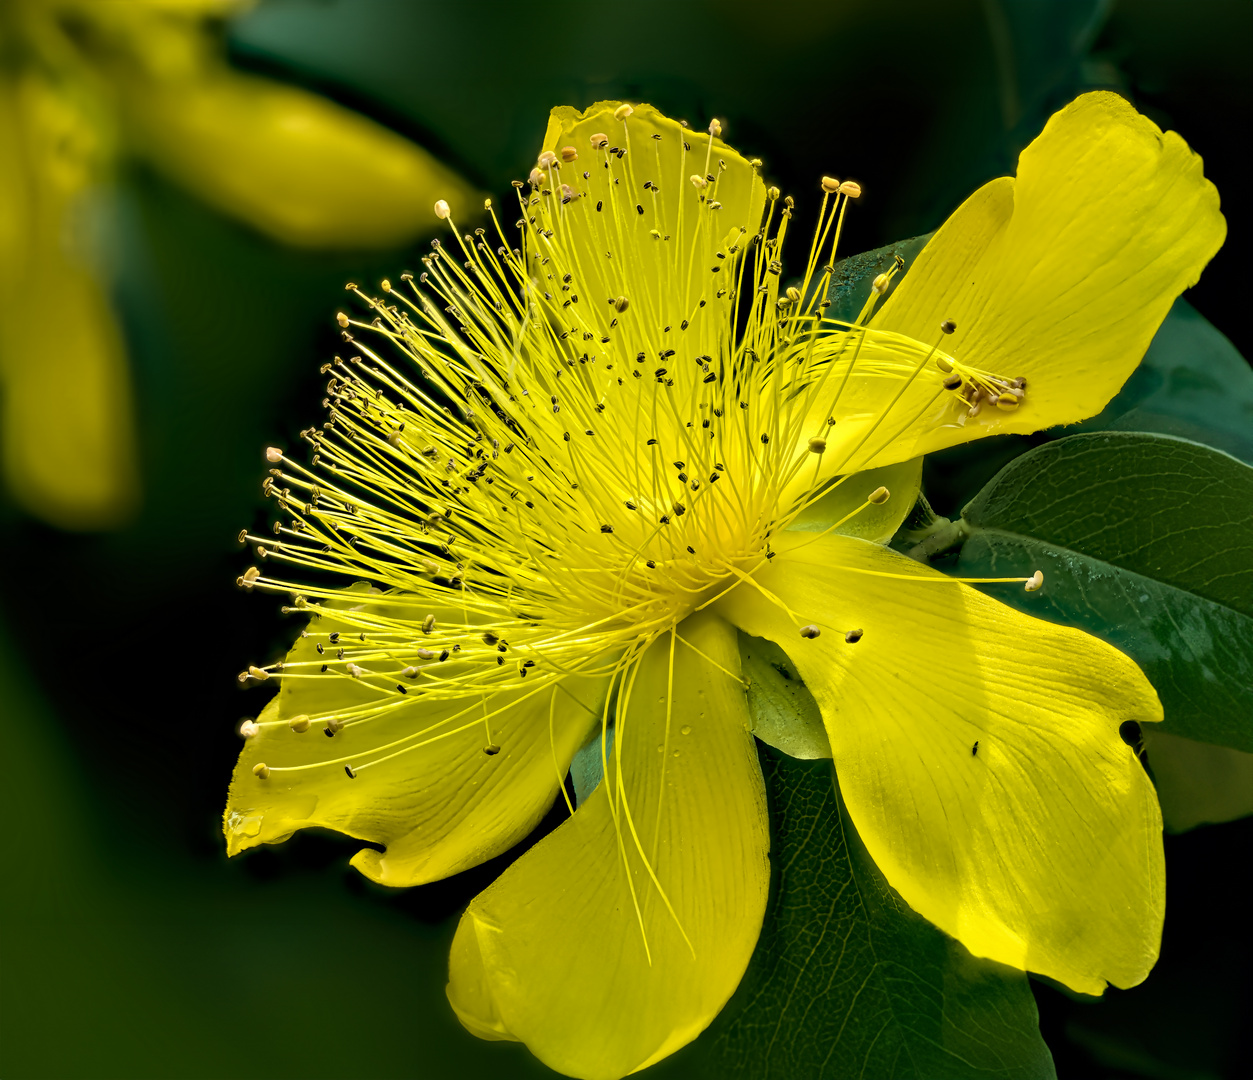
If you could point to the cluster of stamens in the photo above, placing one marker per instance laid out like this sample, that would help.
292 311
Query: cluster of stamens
562 447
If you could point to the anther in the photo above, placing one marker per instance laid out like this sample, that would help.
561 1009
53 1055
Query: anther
273 453
853 637
351 775
715 128
622 112
944 364
810 631
830 185
243 536
953 382
851 188
948 326
1007 402
772 193
260 674
547 159
355 671
880 284
261 771
442 210
248 728
568 154
698 182
878 496
1035 581
249 577
341 318
333 727
817 445
491 749
621 304
599 141
299 724
428 624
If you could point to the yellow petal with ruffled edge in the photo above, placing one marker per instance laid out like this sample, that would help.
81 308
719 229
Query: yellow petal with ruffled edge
1061 275
441 805
655 245
1076 265
1040 846
552 954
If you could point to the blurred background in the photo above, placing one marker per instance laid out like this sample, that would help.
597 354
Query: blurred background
185 187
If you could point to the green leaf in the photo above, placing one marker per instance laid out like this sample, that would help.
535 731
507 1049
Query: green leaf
847 980
1144 541
1192 383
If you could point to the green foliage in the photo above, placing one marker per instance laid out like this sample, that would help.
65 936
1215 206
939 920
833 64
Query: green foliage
847 980
1192 383
1144 541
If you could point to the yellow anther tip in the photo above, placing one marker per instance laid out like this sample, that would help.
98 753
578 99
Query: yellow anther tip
851 188
830 185
547 159
341 318
299 724
948 326
442 210
715 128
944 364
817 445
260 674
599 141
248 728
569 153
1035 581
622 112
698 182
1007 403
261 771
879 496
273 453
810 632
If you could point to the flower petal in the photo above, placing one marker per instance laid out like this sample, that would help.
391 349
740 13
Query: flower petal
1040 846
663 247
552 954
1063 275
441 806
274 155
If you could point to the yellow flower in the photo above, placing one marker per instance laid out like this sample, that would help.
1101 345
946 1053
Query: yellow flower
609 448
82 82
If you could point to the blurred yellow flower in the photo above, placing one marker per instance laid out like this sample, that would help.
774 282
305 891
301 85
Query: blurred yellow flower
612 448
82 83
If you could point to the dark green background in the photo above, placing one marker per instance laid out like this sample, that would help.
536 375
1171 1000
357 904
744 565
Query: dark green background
130 947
